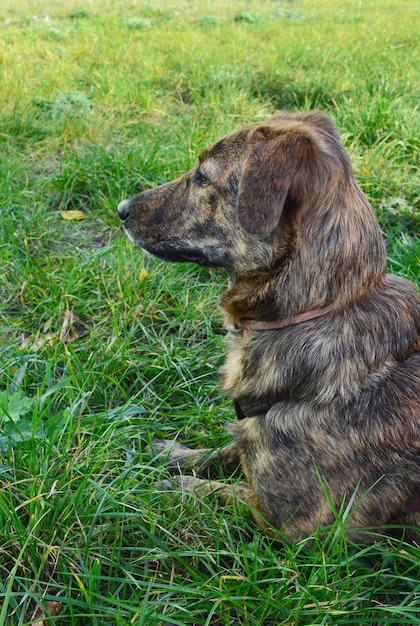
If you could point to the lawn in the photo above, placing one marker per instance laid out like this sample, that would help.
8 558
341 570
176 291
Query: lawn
103 348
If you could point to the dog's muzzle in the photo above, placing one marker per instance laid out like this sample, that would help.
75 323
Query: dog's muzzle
123 209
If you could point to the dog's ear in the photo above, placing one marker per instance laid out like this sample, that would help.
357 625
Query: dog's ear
267 178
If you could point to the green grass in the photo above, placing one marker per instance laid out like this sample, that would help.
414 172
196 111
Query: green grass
103 348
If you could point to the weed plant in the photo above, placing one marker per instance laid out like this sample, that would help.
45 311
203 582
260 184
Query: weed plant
104 348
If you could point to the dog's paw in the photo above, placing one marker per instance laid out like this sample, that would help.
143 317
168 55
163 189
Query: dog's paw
185 484
165 447
172 453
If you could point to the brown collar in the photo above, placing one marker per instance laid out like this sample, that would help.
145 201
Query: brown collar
250 407
246 324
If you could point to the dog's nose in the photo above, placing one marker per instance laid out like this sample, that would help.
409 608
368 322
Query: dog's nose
123 209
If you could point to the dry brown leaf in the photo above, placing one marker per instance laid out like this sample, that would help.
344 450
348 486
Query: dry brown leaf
53 607
39 614
37 341
68 332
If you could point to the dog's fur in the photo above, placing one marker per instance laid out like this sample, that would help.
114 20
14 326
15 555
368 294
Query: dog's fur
330 399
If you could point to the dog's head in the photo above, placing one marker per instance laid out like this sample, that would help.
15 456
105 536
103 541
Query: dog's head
243 203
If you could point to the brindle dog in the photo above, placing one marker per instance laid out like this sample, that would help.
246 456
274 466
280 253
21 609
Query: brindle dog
323 359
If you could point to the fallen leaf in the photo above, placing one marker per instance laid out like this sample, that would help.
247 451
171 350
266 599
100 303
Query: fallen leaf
53 607
36 341
68 331
39 614
73 214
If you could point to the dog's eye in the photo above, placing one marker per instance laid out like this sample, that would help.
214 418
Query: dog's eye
204 181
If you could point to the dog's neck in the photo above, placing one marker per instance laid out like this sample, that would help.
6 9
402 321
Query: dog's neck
250 324
269 301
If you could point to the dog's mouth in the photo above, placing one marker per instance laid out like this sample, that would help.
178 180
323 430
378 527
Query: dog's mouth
175 250
190 256
182 255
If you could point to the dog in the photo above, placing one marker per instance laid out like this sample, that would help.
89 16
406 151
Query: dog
323 360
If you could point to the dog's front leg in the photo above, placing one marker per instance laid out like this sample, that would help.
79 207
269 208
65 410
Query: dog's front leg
205 461
226 493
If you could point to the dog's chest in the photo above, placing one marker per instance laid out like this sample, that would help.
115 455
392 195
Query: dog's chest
231 372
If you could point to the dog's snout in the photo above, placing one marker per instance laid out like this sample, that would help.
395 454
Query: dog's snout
123 209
